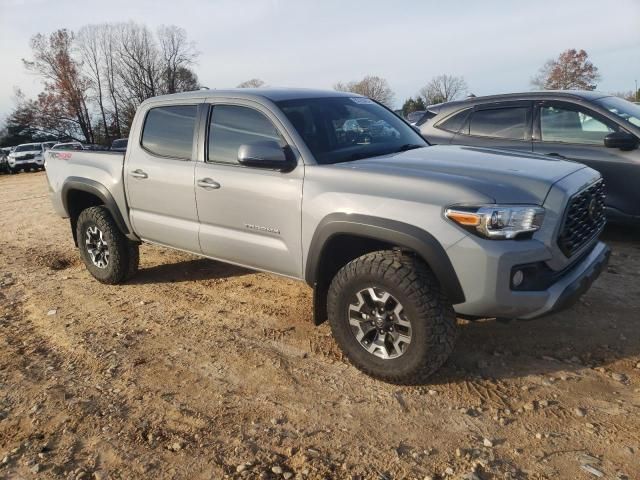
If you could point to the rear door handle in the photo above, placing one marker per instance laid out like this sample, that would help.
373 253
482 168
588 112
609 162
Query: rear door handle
208 183
139 173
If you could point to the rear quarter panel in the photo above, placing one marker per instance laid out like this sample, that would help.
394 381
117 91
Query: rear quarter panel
102 167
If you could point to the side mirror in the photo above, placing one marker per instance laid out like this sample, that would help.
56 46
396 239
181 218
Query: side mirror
621 140
267 154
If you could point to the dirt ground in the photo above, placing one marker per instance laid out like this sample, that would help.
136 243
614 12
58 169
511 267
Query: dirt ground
195 369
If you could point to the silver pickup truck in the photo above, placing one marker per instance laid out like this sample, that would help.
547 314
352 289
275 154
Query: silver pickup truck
395 237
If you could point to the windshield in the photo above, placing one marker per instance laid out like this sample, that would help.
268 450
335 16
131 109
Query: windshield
624 109
29 147
343 129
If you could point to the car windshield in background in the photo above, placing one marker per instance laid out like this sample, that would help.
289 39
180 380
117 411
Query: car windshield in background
30 147
622 108
122 143
342 129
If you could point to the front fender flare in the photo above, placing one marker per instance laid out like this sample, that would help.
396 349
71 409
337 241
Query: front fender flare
396 233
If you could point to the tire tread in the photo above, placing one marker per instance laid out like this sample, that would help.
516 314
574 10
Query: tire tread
418 283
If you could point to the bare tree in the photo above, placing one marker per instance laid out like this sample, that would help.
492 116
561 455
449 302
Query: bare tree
138 65
443 88
65 94
253 83
572 70
177 54
88 42
108 50
370 86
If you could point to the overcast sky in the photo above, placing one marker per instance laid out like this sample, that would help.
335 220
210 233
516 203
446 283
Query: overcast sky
496 45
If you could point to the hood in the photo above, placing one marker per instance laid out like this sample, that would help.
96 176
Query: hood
506 176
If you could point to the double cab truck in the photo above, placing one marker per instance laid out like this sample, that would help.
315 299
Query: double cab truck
397 238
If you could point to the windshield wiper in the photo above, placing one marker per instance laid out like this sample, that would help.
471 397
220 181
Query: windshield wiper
408 146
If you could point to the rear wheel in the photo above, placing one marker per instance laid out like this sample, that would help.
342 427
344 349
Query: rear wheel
108 255
389 316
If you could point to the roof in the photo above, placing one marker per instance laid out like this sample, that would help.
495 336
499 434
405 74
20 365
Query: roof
271 93
575 94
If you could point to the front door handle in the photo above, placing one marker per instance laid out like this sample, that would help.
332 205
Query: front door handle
139 173
208 183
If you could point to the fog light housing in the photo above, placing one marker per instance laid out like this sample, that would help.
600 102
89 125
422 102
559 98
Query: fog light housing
518 278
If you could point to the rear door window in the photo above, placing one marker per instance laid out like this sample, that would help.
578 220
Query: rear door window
168 131
511 123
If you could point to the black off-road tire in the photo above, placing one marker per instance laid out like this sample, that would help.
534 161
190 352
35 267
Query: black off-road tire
411 282
123 254
133 252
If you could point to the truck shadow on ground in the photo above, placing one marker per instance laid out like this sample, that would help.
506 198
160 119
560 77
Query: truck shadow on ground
544 347
187 271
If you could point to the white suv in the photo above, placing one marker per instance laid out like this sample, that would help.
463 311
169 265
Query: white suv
26 157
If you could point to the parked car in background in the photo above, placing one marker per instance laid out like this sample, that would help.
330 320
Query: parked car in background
596 129
94 147
119 145
68 146
28 156
415 117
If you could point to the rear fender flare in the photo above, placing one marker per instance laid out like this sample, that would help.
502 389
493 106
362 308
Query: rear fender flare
100 191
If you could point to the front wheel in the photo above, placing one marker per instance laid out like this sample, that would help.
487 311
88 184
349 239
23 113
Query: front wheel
108 255
390 318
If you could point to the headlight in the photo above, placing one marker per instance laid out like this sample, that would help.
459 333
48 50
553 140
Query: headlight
497 221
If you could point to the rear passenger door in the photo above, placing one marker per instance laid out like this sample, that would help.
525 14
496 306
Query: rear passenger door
248 215
159 171
498 125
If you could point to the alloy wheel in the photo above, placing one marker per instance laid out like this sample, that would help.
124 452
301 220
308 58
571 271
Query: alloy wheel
379 324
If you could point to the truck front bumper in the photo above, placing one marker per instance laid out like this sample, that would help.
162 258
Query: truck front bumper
488 287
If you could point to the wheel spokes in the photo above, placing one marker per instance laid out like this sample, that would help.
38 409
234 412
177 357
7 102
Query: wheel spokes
378 323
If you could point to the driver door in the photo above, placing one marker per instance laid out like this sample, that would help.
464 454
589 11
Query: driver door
248 215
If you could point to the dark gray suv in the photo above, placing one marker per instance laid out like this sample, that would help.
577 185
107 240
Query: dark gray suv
593 128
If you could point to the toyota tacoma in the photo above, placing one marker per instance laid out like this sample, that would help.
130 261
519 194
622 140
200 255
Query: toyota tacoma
397 238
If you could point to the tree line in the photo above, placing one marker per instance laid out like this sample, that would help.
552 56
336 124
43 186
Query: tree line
95 79
571 70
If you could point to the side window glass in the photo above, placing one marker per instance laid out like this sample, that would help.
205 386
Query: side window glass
510 123
168 131
558 124
232 126
455 122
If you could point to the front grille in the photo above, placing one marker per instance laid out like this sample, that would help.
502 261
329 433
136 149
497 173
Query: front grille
584 218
